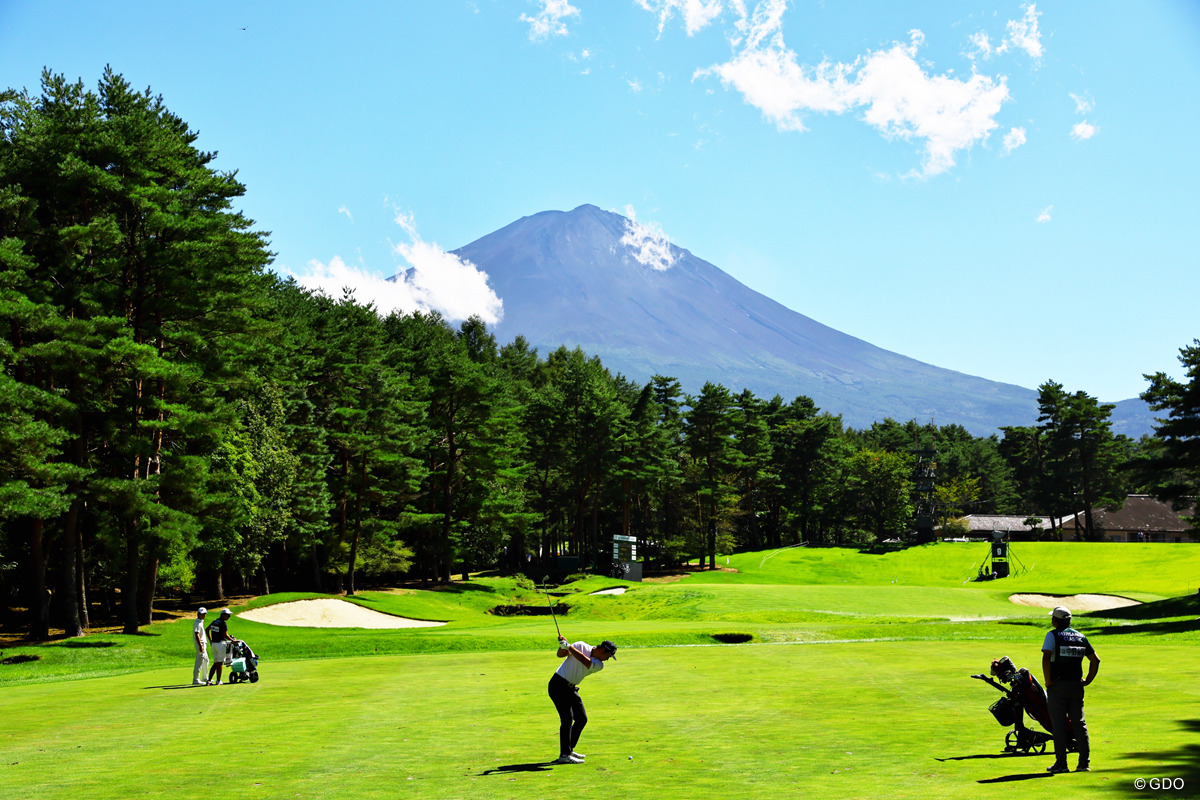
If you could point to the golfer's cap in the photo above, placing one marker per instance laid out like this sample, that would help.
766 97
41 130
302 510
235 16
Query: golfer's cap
1060 612
610 647
202 611
225 611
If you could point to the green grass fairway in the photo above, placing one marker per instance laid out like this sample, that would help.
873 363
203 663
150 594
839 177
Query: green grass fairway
830 720
1168 570
854 685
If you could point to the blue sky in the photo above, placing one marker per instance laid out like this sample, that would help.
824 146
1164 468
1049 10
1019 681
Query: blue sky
1005 189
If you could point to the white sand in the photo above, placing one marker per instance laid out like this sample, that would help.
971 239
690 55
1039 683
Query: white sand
615 590
330 613
1075 602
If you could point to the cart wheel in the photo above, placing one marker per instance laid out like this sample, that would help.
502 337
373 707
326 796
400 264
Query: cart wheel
1038 748
1016 743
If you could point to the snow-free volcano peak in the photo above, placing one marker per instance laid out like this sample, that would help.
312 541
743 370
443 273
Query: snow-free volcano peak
580 278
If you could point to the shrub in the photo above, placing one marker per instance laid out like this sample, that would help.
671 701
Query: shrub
956 528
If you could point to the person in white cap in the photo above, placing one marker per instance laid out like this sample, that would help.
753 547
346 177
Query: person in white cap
580 660
200 671
1063 652
218 634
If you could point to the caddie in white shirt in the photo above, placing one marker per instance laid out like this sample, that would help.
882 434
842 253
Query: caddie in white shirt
200 671
579 661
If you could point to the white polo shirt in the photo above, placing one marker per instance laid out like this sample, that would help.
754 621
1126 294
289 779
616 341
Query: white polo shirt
198 631
573 670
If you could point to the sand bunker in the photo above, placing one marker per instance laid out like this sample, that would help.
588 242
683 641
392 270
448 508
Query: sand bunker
615 590
330 613
1075 602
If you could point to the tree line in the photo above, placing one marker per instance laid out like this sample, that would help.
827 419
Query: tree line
174 417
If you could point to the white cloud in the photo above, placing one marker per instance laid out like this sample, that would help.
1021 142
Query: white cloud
949 114
697 14
983 44
1023 34
896 94
584 55
549 20
650 246
1013 139
1083 130
635 86
433 280
346 211
1045 215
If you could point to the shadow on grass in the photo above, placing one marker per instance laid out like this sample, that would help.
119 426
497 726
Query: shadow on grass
1025 622
1181 763
19 659
1019 776
1178 626
459 588
81 644
179 686
1159 609
881 549
1028 776
537 766
984 755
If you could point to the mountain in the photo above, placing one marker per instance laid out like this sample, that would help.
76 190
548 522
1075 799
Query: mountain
568 278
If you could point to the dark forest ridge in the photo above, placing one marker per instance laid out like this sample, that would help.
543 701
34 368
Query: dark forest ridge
575 279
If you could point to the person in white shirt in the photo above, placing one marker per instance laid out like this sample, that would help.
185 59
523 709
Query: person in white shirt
200 671
579 661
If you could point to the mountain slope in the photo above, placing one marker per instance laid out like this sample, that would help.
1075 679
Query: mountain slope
566 278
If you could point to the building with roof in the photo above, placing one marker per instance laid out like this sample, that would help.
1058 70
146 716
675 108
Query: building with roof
983 526
1141 519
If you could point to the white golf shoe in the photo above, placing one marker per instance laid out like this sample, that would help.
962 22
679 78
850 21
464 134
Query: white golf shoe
568 759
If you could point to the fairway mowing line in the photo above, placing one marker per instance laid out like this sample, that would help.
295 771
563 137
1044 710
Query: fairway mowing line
818 641
869 615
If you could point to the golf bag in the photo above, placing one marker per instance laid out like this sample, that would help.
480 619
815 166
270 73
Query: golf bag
244 664
1023 695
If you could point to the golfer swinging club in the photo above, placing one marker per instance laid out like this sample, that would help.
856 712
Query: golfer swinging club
579 661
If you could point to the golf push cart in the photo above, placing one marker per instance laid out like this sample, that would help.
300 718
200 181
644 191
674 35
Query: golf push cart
1024 695
243 665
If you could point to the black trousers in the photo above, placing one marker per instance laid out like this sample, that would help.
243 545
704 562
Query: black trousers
1065 699
571 715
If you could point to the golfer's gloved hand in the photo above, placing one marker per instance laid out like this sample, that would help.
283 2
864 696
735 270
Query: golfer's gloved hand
562 643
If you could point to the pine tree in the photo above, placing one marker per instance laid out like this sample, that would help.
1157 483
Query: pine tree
1082 458
806 448
710 429
132 237
1175 467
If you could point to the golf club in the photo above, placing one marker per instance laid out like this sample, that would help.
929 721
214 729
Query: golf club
551 604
